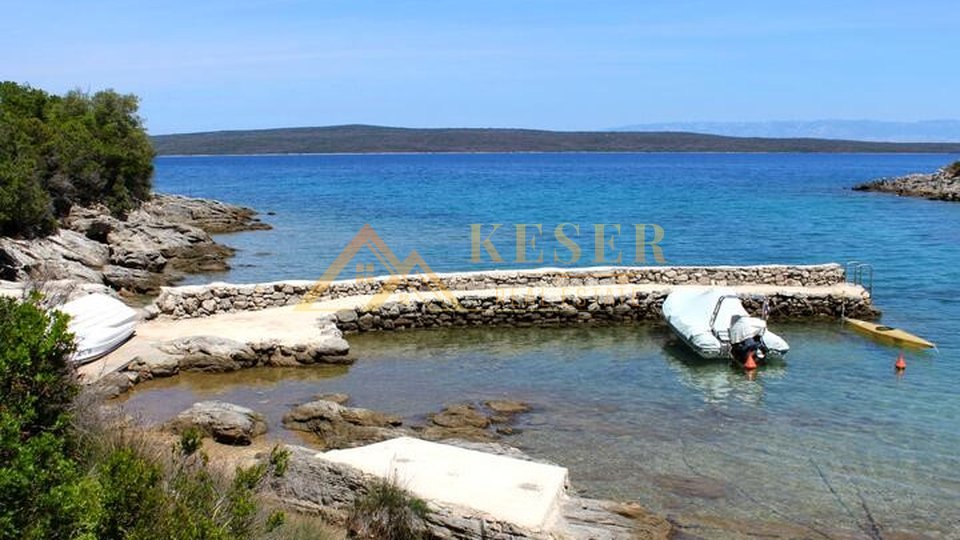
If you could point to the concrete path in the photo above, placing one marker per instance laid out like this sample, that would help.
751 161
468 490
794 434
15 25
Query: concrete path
506 489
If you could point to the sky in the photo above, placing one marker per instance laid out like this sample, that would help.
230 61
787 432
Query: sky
210 65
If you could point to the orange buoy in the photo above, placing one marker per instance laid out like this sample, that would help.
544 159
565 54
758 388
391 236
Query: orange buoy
750 363
900 364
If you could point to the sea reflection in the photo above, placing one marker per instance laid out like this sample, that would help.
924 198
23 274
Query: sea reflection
717 381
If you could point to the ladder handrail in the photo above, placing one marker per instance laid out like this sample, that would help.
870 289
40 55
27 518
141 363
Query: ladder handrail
855 271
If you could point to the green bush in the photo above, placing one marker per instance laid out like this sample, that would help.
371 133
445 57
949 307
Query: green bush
131 494
57 151
387 512
43 493
86 478
953 170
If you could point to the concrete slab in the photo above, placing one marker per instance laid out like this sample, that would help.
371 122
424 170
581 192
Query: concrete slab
521 492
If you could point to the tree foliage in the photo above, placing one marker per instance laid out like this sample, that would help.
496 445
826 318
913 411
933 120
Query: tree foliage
57 151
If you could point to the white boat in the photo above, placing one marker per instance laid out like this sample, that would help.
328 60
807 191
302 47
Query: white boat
100 324
714 324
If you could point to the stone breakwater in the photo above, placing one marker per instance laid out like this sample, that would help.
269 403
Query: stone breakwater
204 300
589 305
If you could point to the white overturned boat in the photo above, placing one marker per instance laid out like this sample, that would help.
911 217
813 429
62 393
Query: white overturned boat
100 323
714 324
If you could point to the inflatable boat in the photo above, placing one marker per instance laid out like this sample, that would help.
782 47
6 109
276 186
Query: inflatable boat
714 323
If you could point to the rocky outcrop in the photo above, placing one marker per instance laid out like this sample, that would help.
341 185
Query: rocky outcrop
210 353
225 422
211 216
153 246
55 292
214 354
942 185
330 489
154 363
337 426
113 384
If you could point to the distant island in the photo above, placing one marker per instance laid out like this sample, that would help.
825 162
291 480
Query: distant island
923 131
378 139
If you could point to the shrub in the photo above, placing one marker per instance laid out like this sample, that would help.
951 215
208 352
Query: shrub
279 460
131 493
93 477
952 170
42 491
191 440
387 512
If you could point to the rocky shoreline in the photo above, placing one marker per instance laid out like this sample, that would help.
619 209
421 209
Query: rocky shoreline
326 488
153 246
942 185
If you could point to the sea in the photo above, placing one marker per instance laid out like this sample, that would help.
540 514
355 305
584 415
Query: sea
831 443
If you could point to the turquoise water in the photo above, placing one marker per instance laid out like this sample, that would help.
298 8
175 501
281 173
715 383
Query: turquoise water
812 442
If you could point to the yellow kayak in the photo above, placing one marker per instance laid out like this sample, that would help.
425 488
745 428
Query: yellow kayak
887 333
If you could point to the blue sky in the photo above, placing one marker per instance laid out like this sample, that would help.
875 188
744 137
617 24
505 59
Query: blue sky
552 64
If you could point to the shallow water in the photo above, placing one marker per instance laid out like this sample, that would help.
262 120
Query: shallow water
635 416
819 441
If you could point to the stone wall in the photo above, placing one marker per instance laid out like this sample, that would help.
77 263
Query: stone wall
203 300
584 306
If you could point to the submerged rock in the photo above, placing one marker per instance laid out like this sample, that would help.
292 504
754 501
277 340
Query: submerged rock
507 406
225 422
343 427
460 416
468 422
700 487
338 398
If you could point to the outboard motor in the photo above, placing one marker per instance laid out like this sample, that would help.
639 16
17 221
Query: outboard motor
746 334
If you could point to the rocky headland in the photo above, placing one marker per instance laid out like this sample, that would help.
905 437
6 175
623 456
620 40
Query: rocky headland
153 246
942 185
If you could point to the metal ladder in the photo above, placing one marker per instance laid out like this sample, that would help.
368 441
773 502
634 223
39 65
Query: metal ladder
860 273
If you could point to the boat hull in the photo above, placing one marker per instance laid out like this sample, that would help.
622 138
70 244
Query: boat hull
100 324
889 334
